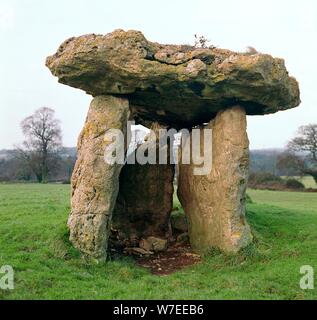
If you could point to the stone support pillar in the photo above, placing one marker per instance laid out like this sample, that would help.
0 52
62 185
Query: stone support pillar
95 184
215 203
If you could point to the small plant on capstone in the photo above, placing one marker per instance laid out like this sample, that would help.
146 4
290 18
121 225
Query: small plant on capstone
251 51
201 41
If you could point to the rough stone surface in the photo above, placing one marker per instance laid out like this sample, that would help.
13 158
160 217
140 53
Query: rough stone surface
179 223
178 85
138 251
95 184
215 203
145 198
183 238
153 244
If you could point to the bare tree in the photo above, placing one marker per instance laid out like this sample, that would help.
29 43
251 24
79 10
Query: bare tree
290 164
43 141
306 141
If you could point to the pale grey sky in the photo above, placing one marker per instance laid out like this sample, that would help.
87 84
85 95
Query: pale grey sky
30 30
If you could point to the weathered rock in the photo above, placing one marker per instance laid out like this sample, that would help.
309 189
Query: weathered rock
95 184
138 251
179 223
153 244
176 85
215 203
183 238
145 198
145 244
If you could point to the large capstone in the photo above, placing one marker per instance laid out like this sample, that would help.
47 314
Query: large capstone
177 85
215 203
95 184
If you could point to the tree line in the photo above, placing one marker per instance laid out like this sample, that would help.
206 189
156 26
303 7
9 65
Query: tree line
301 152
41 156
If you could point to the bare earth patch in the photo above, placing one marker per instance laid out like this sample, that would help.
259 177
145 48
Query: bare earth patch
175 258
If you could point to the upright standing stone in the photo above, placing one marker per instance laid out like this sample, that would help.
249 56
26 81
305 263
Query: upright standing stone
95 184
215 203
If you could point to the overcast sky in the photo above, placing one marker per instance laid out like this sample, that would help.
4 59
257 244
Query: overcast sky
30 30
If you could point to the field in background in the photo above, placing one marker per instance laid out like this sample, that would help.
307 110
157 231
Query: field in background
305 202
307 181
34 240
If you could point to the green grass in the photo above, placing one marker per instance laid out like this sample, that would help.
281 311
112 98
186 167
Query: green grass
301 202
34 240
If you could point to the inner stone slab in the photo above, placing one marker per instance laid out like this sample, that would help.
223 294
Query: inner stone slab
145 198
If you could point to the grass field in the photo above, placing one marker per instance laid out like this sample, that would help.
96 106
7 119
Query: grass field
34 240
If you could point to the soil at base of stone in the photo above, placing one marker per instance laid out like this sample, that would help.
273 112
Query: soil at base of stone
173 259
